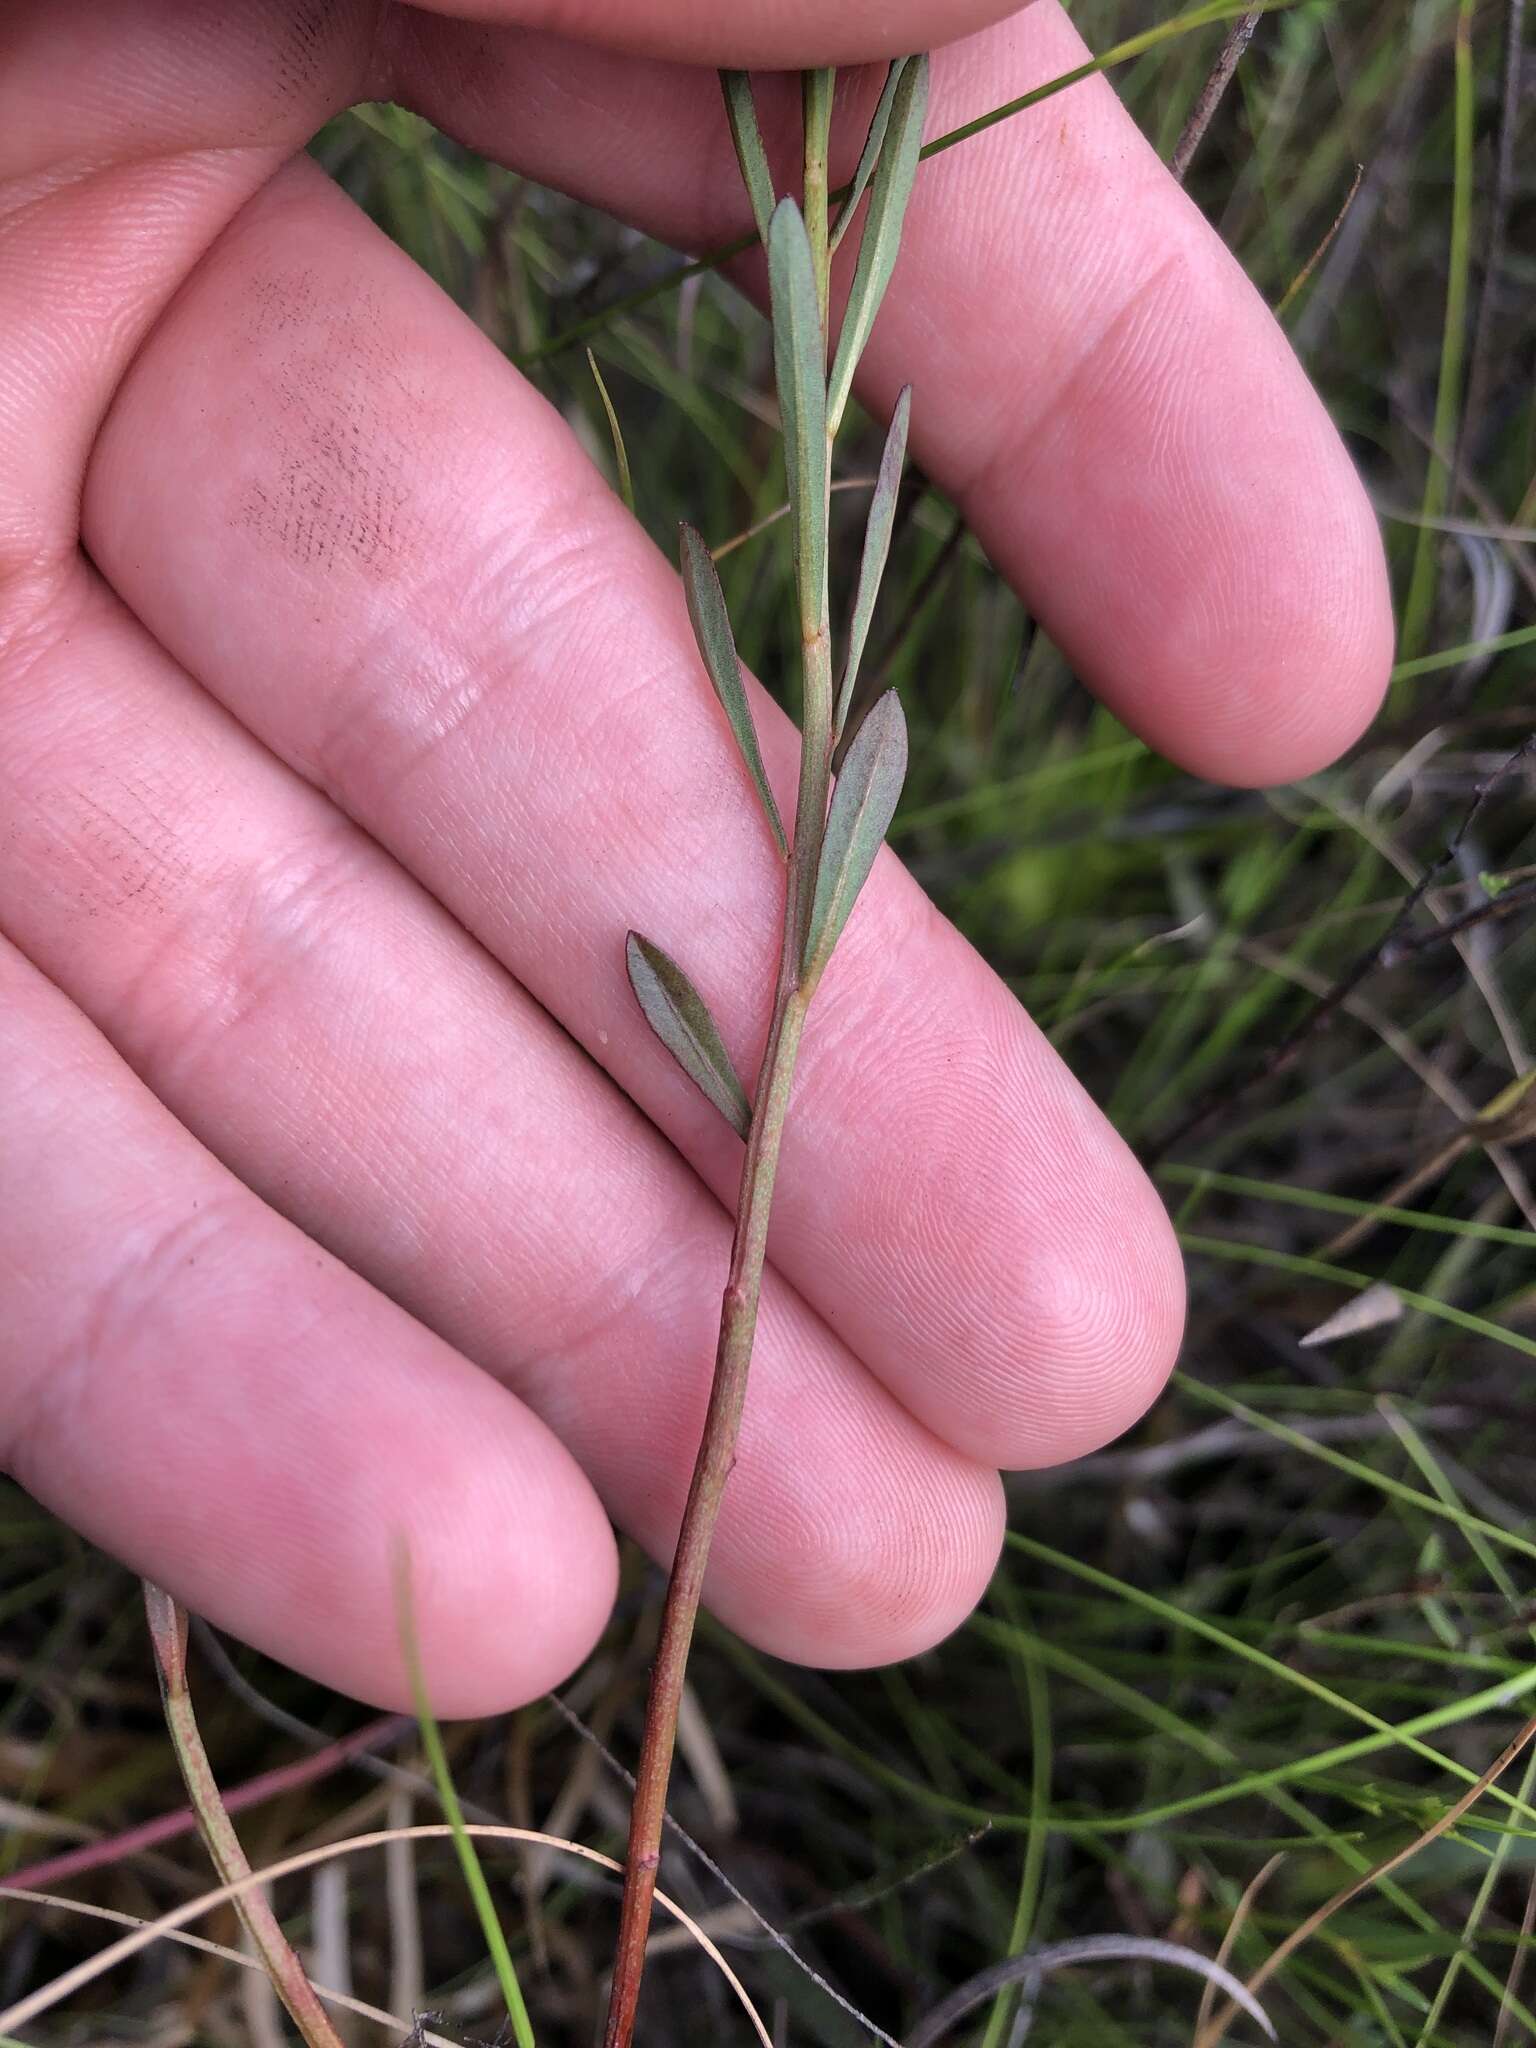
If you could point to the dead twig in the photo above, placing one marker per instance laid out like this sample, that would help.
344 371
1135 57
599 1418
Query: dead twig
1211 94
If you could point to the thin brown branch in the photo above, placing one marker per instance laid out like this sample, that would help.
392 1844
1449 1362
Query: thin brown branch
168 1633
1409 943
1211 94
1298 283
1517 1966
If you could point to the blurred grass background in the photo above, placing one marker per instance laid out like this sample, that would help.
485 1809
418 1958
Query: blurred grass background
1292 1616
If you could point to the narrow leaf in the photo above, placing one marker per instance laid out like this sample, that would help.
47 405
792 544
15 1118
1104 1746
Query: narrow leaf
888 196
870 155
799 368
676 1012
712 629
620 453
741 112
877 545
863 804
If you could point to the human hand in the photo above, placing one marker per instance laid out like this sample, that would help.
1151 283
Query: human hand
346 723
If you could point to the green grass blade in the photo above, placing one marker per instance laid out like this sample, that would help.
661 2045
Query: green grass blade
1250 1653
877 546
741 112
1190 22
863 804
1205 1178
889 192
869 156
1494 1566
1037 1706
1421 584
469 1861
717 644
801 378
1453 657
680 1018
1366 1474
1427 1463
1319 1269
620 452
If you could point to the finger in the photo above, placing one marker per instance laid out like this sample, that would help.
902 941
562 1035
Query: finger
1096 383
205 1392
773 33
429 602
344 1046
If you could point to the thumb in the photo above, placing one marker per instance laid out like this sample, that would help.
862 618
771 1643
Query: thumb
768 34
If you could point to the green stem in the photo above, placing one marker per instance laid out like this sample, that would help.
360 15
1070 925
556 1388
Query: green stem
816 101
816 634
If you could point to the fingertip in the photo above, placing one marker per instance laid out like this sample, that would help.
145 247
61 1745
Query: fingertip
1039 1303
1216 572
503 1609
1099 1334
1078 1300
510 1565
1272 655
1308 663
886 1559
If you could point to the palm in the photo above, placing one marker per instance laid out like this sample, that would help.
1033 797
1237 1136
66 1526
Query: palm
348 722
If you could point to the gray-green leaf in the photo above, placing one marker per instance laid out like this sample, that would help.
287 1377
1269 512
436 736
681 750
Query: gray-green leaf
863 804
741 112
799 368
712 629
877 546
888 196
678 1015
870 154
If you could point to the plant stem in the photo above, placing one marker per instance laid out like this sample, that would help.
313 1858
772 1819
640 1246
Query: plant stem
168 1633
816 102
749 1246
717 1453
